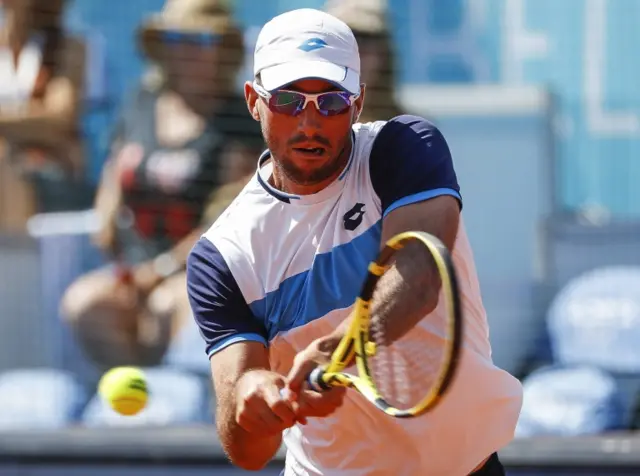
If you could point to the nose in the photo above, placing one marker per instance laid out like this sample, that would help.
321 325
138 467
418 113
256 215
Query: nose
310 120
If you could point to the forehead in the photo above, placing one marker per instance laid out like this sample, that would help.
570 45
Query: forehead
312 86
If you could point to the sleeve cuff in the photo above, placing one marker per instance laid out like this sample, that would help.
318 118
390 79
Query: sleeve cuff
421 197
224 343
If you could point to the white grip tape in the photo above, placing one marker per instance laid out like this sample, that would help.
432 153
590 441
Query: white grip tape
285 393
314 378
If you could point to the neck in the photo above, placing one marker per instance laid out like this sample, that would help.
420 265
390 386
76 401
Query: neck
280 181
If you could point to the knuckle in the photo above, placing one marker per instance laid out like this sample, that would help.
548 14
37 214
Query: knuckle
243 421
282 421
278 406
284 426
240 409
331 405
304 410
338 397
243 410
288 422
299 360
332 408
251 397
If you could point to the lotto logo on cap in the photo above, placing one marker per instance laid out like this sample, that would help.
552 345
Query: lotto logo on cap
305 44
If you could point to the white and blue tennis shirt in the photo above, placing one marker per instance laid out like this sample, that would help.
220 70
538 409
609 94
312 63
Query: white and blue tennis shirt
284 269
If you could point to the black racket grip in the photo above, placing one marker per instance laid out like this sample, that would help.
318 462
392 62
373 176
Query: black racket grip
314 379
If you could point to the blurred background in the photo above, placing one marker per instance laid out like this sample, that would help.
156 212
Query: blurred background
123 134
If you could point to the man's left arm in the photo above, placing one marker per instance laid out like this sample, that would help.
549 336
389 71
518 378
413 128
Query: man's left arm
412 173
409 290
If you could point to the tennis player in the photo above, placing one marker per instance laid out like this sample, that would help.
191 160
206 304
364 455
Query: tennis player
277 274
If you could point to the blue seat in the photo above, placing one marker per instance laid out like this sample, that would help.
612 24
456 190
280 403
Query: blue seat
175 398
570 401
39 399
180 388
595 320
574 246
65 254
187 351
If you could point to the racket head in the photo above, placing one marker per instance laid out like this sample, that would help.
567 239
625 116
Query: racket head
406 376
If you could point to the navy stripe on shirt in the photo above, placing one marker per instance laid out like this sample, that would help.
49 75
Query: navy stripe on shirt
218 305
410 161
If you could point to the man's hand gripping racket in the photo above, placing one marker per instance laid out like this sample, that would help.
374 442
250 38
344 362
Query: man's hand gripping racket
403 368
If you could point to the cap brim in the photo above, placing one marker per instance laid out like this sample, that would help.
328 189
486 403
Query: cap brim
276 77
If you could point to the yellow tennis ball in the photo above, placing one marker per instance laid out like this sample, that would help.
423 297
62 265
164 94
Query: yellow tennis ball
125 389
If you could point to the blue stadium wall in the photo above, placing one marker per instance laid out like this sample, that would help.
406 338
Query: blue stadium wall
585 51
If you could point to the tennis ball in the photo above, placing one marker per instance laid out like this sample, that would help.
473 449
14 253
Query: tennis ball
125 389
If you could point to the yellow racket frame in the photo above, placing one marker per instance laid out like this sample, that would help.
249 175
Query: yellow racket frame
356 342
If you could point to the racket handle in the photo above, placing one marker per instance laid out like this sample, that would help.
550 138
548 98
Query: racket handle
314 379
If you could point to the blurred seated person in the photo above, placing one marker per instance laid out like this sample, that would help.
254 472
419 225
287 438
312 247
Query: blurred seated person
41 82
367 19
184 133
222 197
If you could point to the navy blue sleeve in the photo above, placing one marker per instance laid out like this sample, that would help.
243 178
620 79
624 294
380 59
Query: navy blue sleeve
218 305
410 162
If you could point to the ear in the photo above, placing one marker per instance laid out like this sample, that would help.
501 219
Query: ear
252 98
359 104
356 115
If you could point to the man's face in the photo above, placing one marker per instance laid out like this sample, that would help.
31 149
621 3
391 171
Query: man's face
306 148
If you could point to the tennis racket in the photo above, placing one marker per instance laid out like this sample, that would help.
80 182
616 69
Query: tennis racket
404 372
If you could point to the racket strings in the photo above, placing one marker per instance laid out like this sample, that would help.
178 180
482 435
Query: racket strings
405 370
410 348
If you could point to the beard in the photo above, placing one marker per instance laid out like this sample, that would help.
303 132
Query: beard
306 176
306 173
302 176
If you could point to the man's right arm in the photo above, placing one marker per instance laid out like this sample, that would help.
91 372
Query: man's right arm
247 393
234 369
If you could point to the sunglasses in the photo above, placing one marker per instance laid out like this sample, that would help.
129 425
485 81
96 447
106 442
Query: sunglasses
292 103
193 38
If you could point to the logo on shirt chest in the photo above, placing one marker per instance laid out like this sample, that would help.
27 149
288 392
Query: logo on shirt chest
353 218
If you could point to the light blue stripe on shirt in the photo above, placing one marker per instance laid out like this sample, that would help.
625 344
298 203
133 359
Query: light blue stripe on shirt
420 197
332 282
233 339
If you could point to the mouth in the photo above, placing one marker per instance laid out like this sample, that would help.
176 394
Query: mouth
310 151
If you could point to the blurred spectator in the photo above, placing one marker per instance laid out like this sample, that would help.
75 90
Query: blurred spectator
367 19
41 81
182 134
222 198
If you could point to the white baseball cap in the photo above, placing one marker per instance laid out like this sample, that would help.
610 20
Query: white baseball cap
306 44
